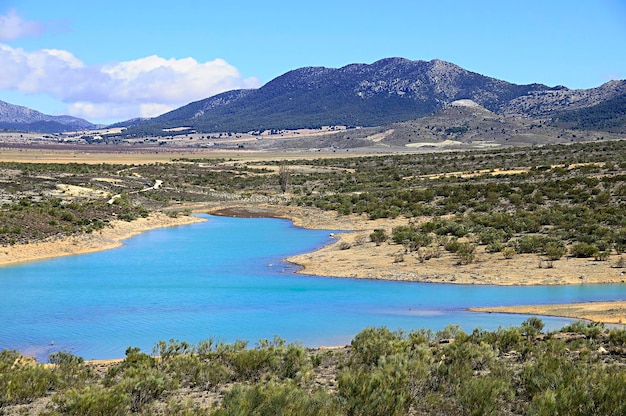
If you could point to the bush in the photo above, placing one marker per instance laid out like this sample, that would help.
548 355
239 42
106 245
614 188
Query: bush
139 379
601 256
583 250
378 236
466 253
143 385
380 390
495 247
452 245
589 329
22 380
410 237
369 345
277 399
617 336
93 401
70 369
509 252
554 251
484 395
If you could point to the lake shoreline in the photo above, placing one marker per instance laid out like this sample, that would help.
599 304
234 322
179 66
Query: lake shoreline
332 260
352 255
110 237
601 312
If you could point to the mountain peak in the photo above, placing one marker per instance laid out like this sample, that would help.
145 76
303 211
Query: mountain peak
16 117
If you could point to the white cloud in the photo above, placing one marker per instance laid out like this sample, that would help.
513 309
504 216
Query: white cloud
143 87
13 27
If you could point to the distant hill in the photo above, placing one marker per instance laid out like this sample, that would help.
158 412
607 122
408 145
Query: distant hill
388 91
609 115
18 118
462 124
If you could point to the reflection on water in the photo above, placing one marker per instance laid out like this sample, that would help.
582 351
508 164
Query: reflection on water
224 279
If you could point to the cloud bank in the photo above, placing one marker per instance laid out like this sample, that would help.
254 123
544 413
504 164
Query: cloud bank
144 87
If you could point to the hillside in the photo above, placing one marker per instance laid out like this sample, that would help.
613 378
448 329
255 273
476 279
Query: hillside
609 115
18 118
387 91
462 124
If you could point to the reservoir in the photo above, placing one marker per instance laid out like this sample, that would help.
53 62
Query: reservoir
224 279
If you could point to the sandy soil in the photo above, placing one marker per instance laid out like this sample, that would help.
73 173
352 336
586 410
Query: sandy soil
107 238
607 312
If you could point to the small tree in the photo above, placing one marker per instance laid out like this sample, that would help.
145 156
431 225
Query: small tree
283 176
378 236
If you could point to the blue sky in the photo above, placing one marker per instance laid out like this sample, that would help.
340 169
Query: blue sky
113 60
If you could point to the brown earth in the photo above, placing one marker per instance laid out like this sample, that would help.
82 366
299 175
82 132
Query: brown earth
607 312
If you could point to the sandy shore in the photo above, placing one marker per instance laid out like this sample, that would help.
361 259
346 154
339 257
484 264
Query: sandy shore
606 312
353 255
107 238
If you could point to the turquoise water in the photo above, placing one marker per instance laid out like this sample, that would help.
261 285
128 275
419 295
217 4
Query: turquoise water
224 278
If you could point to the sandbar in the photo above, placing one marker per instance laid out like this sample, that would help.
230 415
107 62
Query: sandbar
605 312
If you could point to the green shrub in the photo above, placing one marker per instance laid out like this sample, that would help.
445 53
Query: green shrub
189 369
452 245
532 327
589 329
495 247
486 395
410 237
601 256
617 336
143 385
466 253
139 378
583 250
378 236
70 368
369 345
276 399
93 401
509 252
380 390
295 363
22 380
554 251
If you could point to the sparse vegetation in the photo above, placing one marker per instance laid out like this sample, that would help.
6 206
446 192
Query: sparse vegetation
518 370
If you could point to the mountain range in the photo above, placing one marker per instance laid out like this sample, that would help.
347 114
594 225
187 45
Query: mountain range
18 118
387 91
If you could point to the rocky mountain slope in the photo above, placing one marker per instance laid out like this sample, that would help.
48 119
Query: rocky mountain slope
462 124
387 91
18 118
